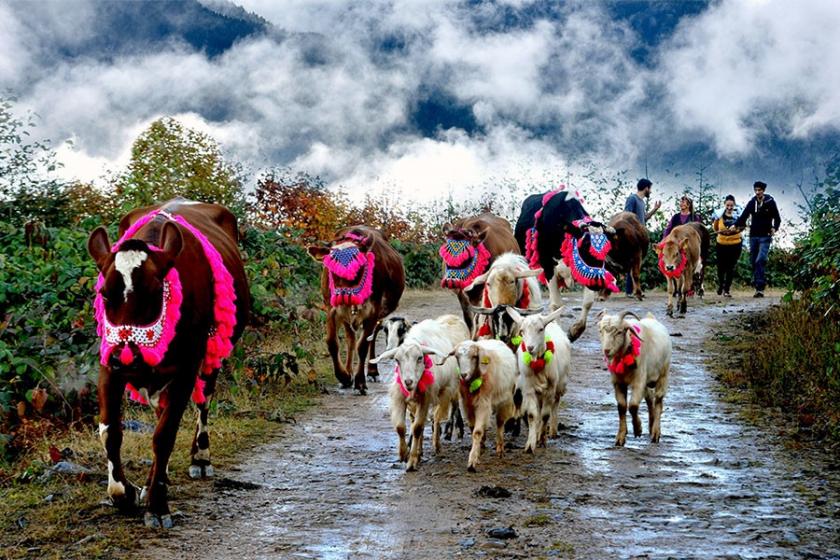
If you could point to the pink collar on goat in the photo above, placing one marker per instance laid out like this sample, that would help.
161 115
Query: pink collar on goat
619 364
426 380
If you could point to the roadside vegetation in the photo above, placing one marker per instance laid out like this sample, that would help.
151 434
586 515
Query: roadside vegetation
788 356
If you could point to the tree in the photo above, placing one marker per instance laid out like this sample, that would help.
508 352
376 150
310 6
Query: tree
169 160
26 191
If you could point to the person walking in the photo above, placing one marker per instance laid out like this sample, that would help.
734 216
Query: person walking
685 215
765 222
637 204
728 246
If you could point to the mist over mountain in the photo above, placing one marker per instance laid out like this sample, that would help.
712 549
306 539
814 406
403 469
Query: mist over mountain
432 97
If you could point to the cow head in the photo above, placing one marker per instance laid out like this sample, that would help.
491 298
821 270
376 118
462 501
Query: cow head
348 258
132 288
671 253
464 234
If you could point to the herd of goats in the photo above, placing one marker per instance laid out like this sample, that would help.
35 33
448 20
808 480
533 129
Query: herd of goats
172 299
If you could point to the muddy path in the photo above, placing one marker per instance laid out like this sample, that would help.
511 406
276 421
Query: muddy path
717 485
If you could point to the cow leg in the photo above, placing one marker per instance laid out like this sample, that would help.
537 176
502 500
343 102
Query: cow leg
332 345
621 401
373 369
636 274
200 466
683 299
163 440
672 288
350 340
464 301
360 383
123 494
578 327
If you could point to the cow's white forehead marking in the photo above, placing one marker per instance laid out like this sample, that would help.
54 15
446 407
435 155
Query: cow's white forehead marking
125 262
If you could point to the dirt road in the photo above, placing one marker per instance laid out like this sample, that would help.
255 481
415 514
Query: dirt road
716 485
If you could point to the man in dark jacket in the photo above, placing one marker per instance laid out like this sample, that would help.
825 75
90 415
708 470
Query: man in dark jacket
765 223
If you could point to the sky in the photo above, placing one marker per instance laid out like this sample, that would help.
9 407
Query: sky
433 97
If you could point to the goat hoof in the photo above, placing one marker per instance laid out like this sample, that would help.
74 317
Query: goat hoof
470 468
154 521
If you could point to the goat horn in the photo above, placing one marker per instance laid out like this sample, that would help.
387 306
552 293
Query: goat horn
388 354
482 310
443 361
478 280
626 313
527 311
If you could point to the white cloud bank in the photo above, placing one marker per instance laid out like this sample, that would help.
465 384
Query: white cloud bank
327 101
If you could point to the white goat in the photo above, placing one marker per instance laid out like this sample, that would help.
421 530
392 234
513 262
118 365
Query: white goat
639 357
544 359
488 376
509 281
420 384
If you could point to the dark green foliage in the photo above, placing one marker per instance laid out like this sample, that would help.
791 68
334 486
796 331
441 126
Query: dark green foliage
421 261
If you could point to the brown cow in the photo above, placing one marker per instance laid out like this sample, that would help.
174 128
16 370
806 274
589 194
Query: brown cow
629 248
169 307
486 231
679 261
357 298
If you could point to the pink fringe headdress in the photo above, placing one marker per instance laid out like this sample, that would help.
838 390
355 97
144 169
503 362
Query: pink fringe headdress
160 333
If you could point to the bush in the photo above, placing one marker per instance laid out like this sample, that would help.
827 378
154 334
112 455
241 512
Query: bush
421 262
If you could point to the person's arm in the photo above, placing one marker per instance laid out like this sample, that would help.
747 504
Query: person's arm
630 204
741 222
656 206
717 225
776 218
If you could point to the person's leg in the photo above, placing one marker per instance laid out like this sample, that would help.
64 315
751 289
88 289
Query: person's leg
754 246
761 263
732 265
721 267
628 285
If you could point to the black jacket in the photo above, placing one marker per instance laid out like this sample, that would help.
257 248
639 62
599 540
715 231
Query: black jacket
764 217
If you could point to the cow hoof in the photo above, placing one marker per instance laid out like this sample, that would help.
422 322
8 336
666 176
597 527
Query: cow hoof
202 471
130 501
154 521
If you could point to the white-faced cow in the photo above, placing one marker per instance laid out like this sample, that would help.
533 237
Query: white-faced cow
554 227
629 248
362 282
680 261
171 300
471 246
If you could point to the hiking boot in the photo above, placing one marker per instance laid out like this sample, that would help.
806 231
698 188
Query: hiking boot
758 293
727 294
720 291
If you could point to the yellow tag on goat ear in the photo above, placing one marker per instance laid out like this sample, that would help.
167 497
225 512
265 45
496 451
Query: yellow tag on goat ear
485 360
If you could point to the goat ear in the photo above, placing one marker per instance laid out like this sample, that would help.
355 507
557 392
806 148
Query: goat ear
601 314
483 361
318 252
99 247
478 281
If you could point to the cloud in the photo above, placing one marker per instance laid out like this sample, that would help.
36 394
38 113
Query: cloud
745 70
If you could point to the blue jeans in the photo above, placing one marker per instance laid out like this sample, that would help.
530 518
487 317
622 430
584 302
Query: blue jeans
628 284
759 249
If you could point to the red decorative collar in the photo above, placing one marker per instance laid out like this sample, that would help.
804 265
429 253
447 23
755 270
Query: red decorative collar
426 380
677 272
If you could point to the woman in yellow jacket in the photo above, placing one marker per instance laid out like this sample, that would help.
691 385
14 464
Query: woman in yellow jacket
728 246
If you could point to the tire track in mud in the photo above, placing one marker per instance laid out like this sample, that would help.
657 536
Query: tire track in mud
716 486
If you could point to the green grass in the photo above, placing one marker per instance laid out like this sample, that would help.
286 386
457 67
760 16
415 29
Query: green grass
786 357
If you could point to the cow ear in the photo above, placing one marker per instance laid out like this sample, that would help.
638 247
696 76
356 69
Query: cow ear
99 247
684 243
318 252
658 248
447 227
481 236
171 241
